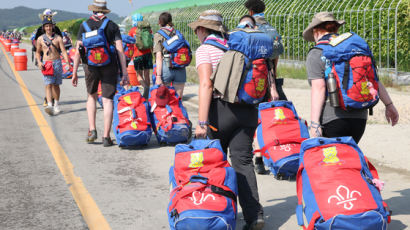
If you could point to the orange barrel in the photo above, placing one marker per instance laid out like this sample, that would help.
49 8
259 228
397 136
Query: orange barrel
7 45
20 59
132 75
13 47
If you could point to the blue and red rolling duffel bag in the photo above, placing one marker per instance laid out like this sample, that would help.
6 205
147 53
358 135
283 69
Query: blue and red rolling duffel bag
170 120
279 136
336 187
131 122
204 188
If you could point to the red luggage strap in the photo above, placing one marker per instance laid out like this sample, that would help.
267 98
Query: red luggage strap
216 188
277 142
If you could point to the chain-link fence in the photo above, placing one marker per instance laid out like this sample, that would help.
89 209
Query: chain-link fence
385 24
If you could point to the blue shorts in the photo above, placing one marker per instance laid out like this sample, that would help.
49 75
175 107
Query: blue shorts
177 75
57 79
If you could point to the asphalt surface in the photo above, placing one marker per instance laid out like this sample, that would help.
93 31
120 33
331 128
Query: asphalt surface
130 187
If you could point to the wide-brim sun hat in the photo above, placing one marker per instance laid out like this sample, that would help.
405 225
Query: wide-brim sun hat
210 19
99 6
318 19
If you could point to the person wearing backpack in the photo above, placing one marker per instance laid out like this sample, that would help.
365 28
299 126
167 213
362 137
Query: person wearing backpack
51 44
102 41
167 70
328 117
256 9
142 33
222 114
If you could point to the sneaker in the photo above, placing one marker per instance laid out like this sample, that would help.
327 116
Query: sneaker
45 102
49 110
255 225
92 136
56 110
107 142
260 169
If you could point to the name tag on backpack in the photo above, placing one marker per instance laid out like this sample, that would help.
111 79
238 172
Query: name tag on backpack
337 40
171 40
91 34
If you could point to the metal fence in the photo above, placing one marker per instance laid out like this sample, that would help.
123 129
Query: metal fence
384 24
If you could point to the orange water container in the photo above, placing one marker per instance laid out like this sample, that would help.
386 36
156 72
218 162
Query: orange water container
13 47
20 59
7 45
132 75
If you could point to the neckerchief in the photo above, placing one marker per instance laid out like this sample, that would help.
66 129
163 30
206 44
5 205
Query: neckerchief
97 18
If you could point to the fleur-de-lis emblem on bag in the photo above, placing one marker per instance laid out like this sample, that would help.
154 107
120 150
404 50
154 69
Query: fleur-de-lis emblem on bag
198 197
344 197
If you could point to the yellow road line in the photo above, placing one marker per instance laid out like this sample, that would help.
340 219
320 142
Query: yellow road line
88 208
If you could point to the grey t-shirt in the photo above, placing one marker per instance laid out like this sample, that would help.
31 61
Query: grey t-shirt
315 68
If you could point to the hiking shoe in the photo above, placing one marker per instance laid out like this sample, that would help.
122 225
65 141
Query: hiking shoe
49 110
260 169
92 136
107 142
57 110
255 225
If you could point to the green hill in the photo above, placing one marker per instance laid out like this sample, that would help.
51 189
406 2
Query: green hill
23 16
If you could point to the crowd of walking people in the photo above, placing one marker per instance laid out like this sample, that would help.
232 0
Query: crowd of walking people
224 112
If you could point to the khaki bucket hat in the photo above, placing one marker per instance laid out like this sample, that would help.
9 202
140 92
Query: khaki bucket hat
210 19
318 19
99 6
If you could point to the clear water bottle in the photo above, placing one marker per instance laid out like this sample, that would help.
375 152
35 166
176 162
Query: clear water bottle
167 60
332 90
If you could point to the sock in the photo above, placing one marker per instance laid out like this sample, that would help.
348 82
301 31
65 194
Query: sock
258 160
55 103
49 104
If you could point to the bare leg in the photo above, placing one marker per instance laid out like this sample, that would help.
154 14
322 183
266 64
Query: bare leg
56 92
146 82
91 110
49 93
108 109
179 88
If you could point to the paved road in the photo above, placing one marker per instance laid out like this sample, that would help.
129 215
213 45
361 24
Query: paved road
129 187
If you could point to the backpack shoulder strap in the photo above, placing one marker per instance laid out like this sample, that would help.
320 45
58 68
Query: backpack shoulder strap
212 42
86 27
163 34
104 24
48 40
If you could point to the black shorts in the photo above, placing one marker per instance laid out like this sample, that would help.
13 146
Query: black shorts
341 127
143 62
108 76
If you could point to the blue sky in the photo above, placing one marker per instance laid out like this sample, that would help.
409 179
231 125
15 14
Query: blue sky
121 7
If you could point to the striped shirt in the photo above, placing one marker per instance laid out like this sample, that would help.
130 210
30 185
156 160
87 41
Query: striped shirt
208 54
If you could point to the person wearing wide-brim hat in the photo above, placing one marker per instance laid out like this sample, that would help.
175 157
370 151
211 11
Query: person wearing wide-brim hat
211 20
321 18
326 120
99 6
107 74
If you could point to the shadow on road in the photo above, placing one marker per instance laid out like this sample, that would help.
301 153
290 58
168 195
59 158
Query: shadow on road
188 96
275 215
278 214
399 206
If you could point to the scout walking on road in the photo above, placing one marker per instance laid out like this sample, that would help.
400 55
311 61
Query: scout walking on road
51 44
339 107
142 33
99 36
255 9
